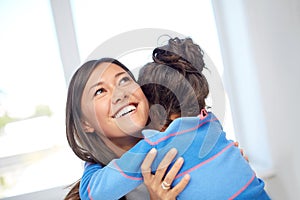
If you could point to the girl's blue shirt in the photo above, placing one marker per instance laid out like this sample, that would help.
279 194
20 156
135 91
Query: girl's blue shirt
216 166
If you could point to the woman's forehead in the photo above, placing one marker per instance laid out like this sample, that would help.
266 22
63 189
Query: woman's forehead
104 71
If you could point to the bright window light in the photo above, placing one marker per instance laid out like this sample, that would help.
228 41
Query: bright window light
96 22
32 101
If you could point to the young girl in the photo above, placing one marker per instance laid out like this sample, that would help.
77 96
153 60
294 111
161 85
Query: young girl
175 82
105 112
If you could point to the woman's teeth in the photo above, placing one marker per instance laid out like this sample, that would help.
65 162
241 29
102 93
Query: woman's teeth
125 111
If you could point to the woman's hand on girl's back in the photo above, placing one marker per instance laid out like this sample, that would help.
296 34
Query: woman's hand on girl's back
159 184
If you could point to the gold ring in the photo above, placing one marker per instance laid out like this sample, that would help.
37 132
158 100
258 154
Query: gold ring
165 185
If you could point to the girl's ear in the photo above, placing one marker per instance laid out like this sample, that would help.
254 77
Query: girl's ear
87 127
174 116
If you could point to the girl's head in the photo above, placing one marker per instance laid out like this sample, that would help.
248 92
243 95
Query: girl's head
105 111
174 80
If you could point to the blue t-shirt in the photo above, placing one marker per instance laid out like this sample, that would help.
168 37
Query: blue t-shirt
216 166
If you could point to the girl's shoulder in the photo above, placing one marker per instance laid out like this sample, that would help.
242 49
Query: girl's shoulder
92 166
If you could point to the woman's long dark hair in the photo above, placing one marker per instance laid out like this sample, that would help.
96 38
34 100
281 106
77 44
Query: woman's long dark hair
88 147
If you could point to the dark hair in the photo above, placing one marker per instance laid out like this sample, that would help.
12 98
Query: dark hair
88 147
175 81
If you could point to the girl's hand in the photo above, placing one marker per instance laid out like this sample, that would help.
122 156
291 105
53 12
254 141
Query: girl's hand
159 184
242 151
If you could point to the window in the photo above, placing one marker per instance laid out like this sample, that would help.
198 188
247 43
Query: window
32 98
98 23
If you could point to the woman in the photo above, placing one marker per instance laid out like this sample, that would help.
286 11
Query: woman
105 113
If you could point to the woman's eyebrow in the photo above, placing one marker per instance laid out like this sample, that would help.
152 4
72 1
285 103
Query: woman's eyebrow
101 82
119 74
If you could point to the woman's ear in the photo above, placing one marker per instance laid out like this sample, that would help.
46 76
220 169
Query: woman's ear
87 127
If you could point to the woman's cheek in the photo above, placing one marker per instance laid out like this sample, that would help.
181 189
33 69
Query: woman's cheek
101 111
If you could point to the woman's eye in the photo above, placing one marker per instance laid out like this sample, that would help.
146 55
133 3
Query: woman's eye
99 91
124 80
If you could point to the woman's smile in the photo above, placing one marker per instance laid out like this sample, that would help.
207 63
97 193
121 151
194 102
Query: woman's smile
125 111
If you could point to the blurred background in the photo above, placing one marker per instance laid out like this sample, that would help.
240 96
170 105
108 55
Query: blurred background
253 45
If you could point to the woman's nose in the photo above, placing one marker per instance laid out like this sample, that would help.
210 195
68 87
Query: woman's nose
119 95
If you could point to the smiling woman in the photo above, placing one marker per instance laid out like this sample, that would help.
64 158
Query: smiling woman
105 113
112 97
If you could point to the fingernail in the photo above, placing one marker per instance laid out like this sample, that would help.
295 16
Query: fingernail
187 177
153 150
180 159
173 150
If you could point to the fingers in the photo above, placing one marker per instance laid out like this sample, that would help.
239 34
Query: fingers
181 185
173 171
159 184
174 192
146 165
244 155
163 165
236 144
242 151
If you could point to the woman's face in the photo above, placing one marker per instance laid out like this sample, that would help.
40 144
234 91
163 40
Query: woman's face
113 103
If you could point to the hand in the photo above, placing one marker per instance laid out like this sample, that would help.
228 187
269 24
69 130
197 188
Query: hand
242 151
159 185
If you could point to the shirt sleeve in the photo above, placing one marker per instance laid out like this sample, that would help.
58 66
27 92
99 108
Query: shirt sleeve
117 179
109 182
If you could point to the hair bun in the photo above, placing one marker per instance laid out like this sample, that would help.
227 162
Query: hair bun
180 54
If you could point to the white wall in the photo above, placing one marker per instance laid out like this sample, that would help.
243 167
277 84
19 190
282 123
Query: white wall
260 44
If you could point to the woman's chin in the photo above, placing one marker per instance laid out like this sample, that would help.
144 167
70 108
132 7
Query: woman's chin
131 125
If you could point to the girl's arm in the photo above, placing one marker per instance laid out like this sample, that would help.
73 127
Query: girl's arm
123 175
105 182
116 179
111 182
